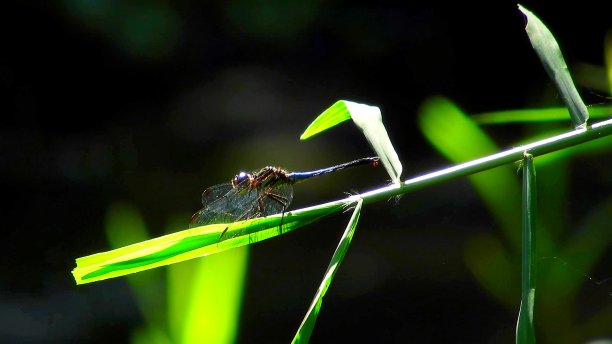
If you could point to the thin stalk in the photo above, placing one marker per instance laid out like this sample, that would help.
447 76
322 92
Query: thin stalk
548 145
525 329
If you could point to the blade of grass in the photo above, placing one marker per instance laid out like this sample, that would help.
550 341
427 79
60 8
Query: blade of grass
369 120
193 243
548 51
525 329
536 115
306 327
331 117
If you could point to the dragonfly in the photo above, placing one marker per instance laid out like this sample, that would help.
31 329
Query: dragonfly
261 193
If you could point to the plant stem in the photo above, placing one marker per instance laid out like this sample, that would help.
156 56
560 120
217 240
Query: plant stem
525 329
548 145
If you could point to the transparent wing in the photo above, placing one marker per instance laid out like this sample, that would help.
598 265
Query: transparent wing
224 203
276 199
215 192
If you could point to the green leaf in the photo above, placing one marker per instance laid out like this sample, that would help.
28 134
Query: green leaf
525 329
548 50
331 117
536 115
305 331
369 120
193 243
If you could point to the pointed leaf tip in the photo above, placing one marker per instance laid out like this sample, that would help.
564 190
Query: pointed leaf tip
331 117
369 119
550 55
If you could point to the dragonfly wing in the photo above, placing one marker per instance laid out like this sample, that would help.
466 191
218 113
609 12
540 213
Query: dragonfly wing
224 204
277 199
215 192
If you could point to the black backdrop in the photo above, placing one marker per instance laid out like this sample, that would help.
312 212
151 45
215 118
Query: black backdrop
150 102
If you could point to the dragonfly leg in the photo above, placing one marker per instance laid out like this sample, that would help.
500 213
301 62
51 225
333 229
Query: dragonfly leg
283 201
222 233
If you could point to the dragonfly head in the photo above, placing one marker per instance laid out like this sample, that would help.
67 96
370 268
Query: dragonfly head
241 177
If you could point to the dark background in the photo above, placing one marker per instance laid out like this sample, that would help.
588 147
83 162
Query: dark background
150 102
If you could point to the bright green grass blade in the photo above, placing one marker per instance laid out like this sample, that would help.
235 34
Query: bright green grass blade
369 120
536 115
525 329
193 243
546 47
331 117
305 331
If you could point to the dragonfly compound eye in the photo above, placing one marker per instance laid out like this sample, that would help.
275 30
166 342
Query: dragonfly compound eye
239 178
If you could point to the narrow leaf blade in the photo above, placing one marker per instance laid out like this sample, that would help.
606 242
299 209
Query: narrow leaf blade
536 115
193 243
369 120
525 329
548 51
305 331
331 117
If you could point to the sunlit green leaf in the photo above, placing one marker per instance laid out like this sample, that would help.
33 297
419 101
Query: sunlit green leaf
331 117
548 50
304 332
525 329
369 120
537 115
193 243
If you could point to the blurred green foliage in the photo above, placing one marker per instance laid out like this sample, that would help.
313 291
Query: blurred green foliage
271 20
494 259
147 30
193 302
